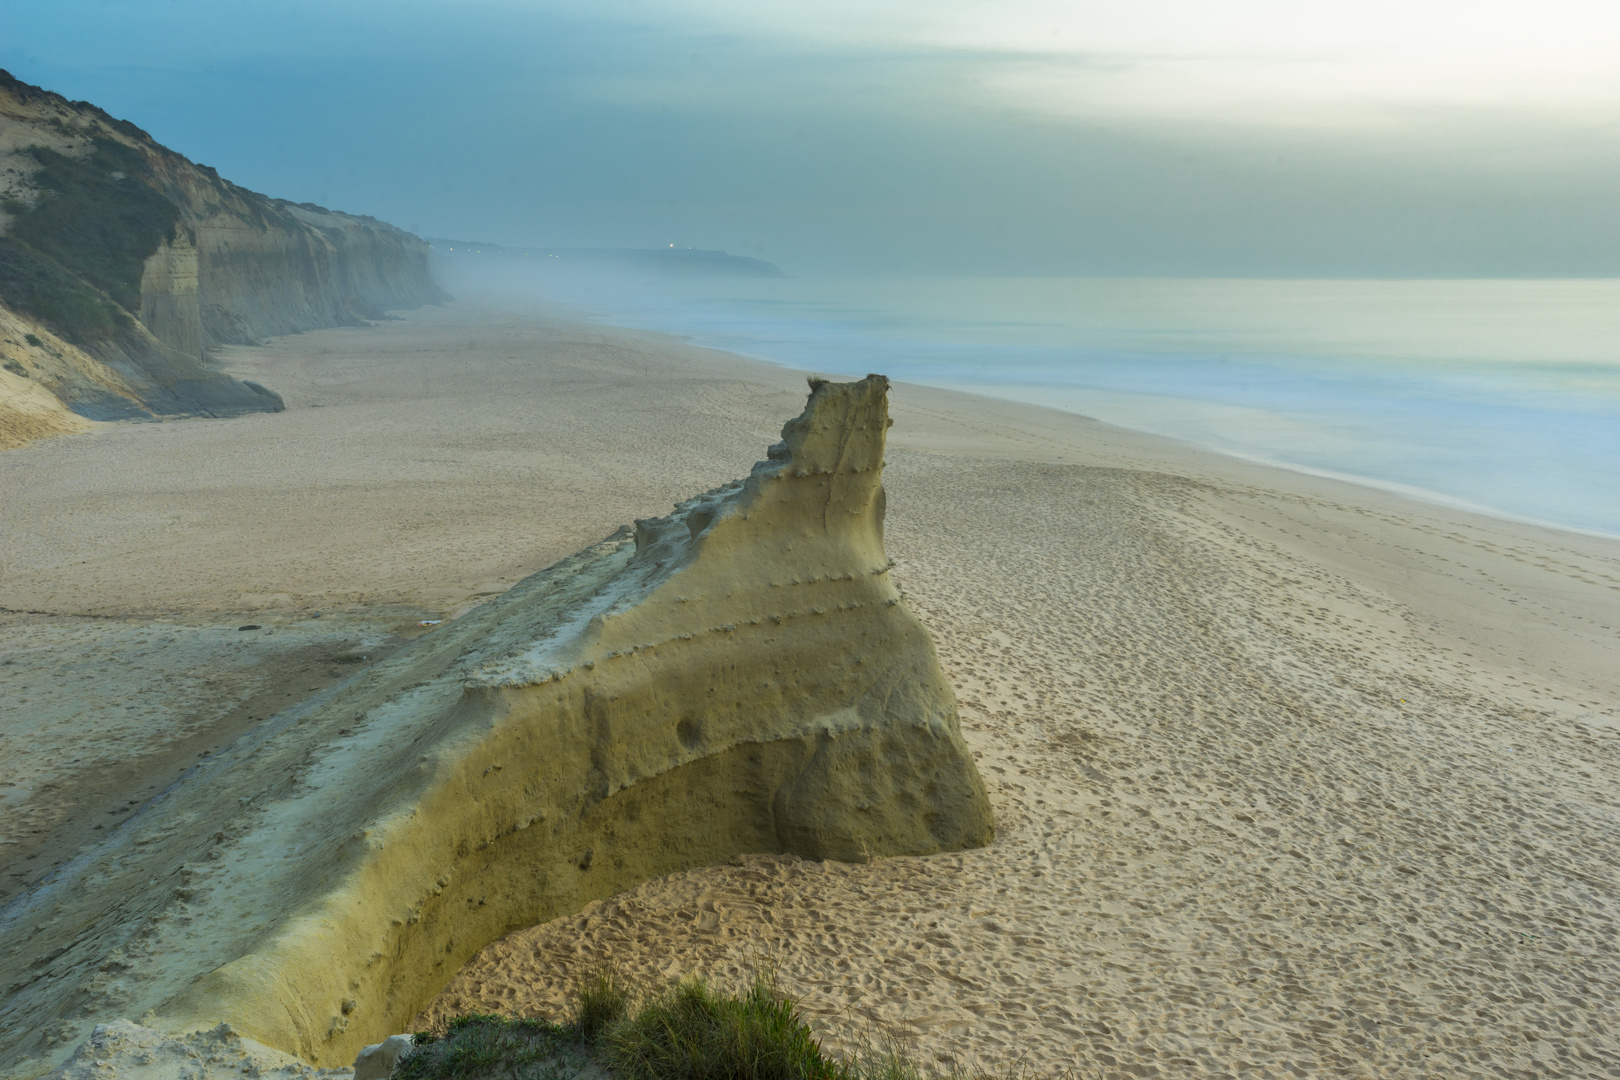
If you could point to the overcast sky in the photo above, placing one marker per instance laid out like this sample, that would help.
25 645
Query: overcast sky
1246 137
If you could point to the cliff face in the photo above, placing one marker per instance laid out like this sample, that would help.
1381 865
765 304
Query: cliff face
741 676
122 264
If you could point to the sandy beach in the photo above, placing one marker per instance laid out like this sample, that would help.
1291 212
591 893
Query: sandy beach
1291 777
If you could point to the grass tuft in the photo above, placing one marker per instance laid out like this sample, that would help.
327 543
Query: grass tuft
491 1046
691 1031
604 1002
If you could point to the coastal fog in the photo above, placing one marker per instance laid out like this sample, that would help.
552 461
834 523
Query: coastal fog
1502 396
1288 774
1255 476
1020 137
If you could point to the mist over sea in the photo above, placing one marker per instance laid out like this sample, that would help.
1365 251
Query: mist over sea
1498 395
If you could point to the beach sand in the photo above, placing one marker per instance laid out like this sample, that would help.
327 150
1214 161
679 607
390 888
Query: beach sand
1291 776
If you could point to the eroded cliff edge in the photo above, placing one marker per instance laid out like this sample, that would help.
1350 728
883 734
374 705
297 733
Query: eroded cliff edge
741 676
122 264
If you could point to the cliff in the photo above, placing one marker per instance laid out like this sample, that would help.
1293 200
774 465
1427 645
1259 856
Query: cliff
740 676
122 264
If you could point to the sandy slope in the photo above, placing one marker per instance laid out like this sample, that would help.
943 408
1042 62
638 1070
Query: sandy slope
29 412
1291 777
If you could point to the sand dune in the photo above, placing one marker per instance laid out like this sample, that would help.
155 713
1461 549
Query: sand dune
1290 777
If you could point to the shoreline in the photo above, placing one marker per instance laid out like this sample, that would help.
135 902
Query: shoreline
1413 493
1284 768
1008 391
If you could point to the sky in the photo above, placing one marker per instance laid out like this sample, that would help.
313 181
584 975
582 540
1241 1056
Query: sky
1168 137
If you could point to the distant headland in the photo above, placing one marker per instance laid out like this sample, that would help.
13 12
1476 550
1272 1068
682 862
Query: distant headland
659 262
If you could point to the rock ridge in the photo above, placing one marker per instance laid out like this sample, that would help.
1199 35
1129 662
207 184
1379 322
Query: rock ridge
739 676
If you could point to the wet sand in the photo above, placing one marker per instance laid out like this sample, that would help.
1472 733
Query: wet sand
1292 777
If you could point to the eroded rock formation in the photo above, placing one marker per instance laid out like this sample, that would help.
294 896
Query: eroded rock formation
741 676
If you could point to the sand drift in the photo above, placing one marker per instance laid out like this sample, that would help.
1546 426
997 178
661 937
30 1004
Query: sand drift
741 676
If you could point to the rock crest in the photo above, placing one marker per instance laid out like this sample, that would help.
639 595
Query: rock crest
740 676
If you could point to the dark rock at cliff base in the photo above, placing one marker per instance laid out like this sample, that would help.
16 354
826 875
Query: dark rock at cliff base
122 265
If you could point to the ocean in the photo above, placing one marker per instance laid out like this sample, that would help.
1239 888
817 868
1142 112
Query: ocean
1501 396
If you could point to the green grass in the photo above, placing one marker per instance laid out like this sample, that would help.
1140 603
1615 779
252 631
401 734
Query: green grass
42 287
695 1032
85 240
99 216
604 1003
496 1046
691 1031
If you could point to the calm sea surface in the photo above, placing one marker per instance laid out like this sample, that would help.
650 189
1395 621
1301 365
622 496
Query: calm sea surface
1500 395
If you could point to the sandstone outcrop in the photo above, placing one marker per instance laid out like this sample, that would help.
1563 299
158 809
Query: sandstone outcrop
123 264
740 676
377 1061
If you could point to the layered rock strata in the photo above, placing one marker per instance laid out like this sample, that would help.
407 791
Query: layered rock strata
123 264
741 676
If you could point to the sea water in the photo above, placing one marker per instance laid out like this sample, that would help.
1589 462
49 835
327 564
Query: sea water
1497 395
